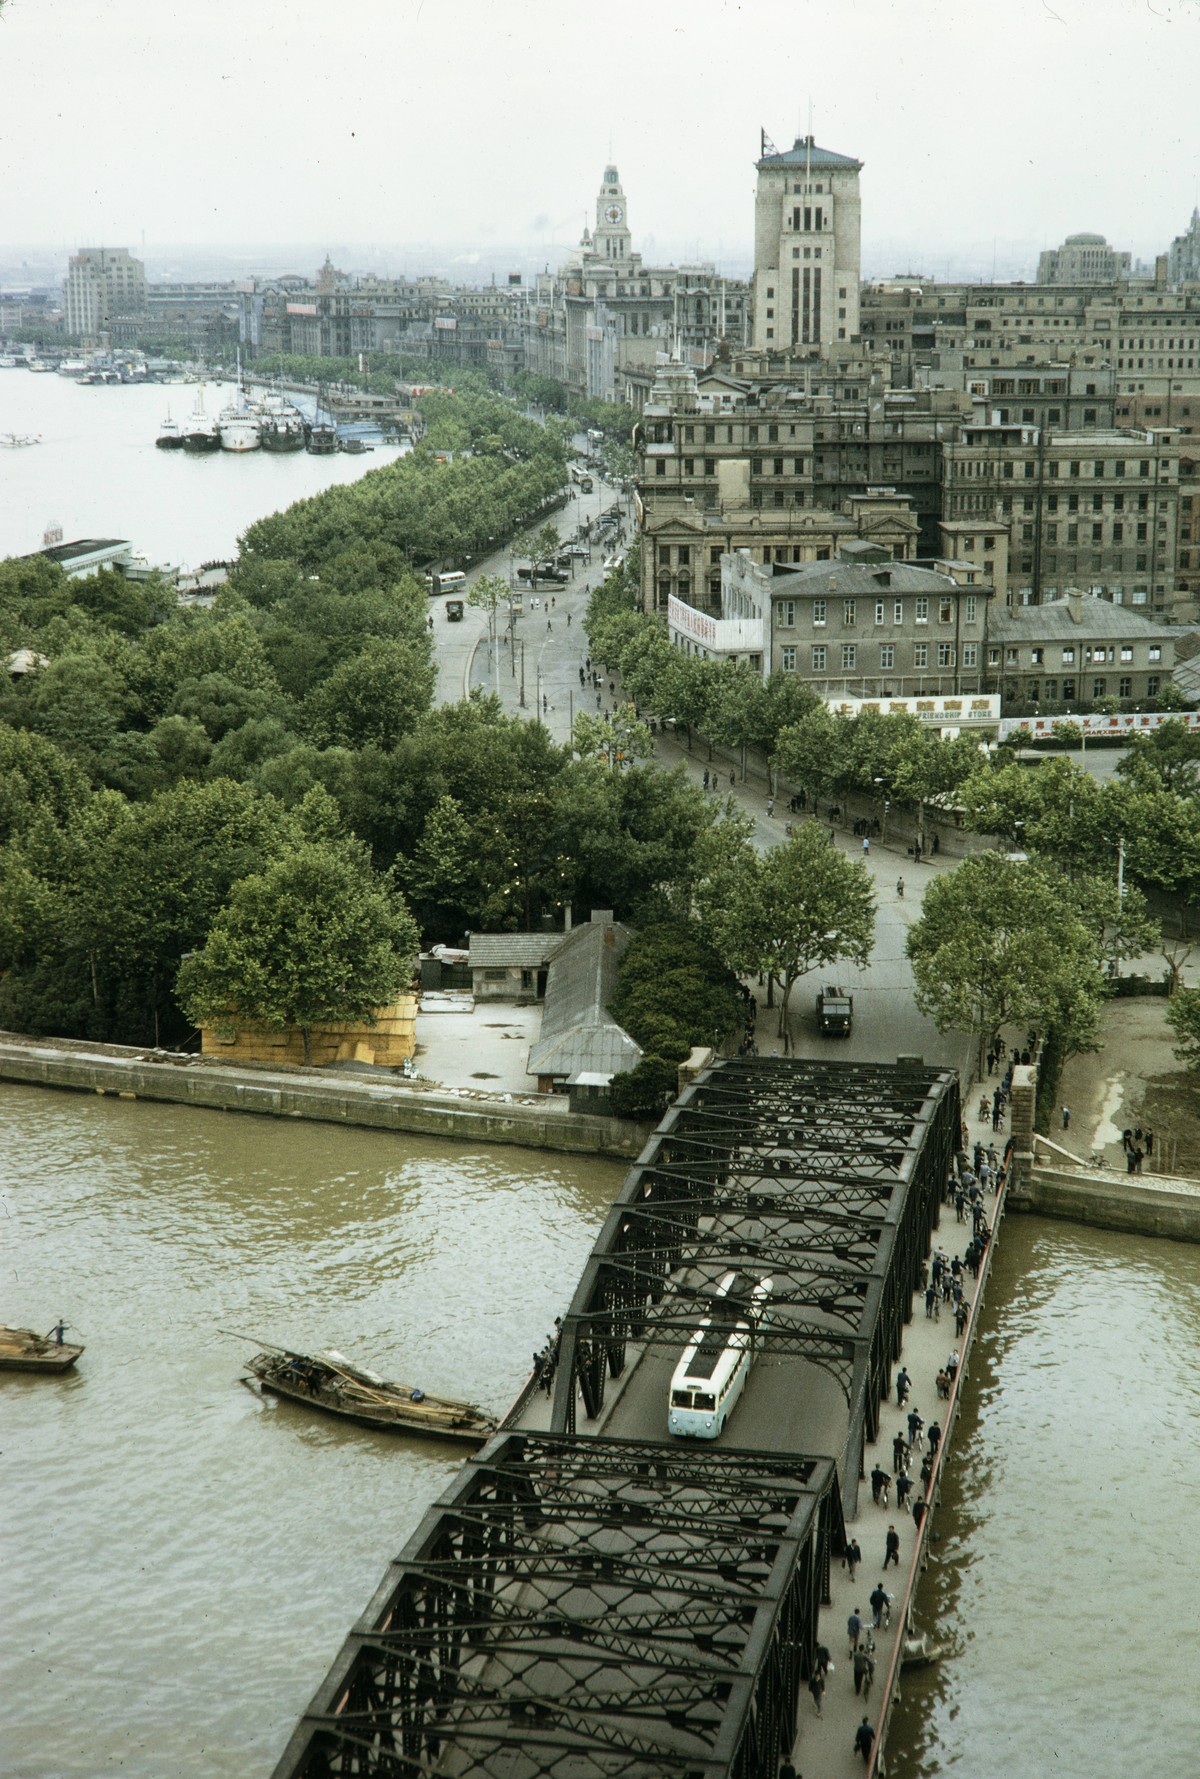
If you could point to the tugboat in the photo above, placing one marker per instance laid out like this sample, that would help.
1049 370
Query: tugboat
201 433
169 436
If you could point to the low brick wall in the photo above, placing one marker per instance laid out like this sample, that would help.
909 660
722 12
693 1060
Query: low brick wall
337 1098
390 1040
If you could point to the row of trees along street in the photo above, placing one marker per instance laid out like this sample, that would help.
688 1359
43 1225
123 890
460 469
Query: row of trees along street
1024 941
167 776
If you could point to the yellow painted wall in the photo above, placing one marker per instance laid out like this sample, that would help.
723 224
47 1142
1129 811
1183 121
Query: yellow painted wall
387 1043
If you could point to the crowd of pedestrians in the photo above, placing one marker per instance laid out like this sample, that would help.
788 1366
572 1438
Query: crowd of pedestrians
914 1443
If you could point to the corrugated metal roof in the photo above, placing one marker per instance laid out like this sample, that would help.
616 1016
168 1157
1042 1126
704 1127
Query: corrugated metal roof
512 951
867 579
578 1032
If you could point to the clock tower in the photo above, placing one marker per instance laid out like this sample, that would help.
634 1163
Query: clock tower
610 238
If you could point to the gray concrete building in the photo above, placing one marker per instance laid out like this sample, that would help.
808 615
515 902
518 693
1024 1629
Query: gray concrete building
807 248
1097 508
103 285
1076 650
1183 255
1082 259
857 627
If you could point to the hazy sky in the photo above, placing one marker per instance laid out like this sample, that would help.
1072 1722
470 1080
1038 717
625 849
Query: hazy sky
475 123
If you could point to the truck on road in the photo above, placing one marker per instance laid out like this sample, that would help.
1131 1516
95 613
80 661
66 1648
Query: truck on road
454 611
835 1012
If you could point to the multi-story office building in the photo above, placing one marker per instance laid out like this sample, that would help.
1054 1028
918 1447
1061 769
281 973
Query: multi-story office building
793 470
103 284
807 249
1183 255
1097 508
1076 650
858 628
1082 259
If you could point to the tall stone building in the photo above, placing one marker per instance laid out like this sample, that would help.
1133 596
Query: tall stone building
1082 259
807 248
1183 255
103 283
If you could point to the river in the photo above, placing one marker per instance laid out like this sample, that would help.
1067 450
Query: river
182 1561
1060 1573
97 472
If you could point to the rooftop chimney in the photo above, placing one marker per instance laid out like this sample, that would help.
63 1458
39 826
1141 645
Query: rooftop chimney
1075 605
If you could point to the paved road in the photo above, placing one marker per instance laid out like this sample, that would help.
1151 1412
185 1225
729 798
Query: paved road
551 646
552 656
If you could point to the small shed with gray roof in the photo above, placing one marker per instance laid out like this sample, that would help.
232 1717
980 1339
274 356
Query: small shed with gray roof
579 1035
510 966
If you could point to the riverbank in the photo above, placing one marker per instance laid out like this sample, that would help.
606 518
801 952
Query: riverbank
537 1121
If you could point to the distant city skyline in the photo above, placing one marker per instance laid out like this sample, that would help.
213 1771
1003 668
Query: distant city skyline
287 122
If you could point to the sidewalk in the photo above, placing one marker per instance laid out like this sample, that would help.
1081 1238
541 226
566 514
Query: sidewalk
825 1745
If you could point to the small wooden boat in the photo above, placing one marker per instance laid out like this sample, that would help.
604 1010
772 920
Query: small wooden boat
329 1382
23 1350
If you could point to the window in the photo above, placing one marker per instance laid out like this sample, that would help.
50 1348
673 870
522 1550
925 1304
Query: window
879 610
1126 652
993 657
1152 686
1037 656
818 611
921 654
660 468
818 657
945 611
921 613
945 654
788 614
1068 689
1154 652
1124 688
1099 688
972 606
1119 468
1118 532
1097 533
970 654
849 657
849 613
887 657
685 555
1012 657
1052 690
787 660
1068 656
898 611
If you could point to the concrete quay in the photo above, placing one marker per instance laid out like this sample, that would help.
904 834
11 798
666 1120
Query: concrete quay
542 1122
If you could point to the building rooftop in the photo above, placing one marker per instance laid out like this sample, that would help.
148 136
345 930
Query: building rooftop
855 579
512 951
1072 617
578 1032
805 153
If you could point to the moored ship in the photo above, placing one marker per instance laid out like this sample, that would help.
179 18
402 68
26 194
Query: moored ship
169 436
282 424
200 432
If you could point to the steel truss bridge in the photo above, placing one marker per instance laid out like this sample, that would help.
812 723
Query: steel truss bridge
588 1607
583 1606
826 1176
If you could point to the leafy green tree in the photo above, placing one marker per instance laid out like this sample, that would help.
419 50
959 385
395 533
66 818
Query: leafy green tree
373 698
1183 1017
618 739
672 984
1167 758
786 911
36 777
313 938
1000 942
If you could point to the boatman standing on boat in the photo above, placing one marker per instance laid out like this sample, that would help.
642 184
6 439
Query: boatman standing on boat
57 1332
